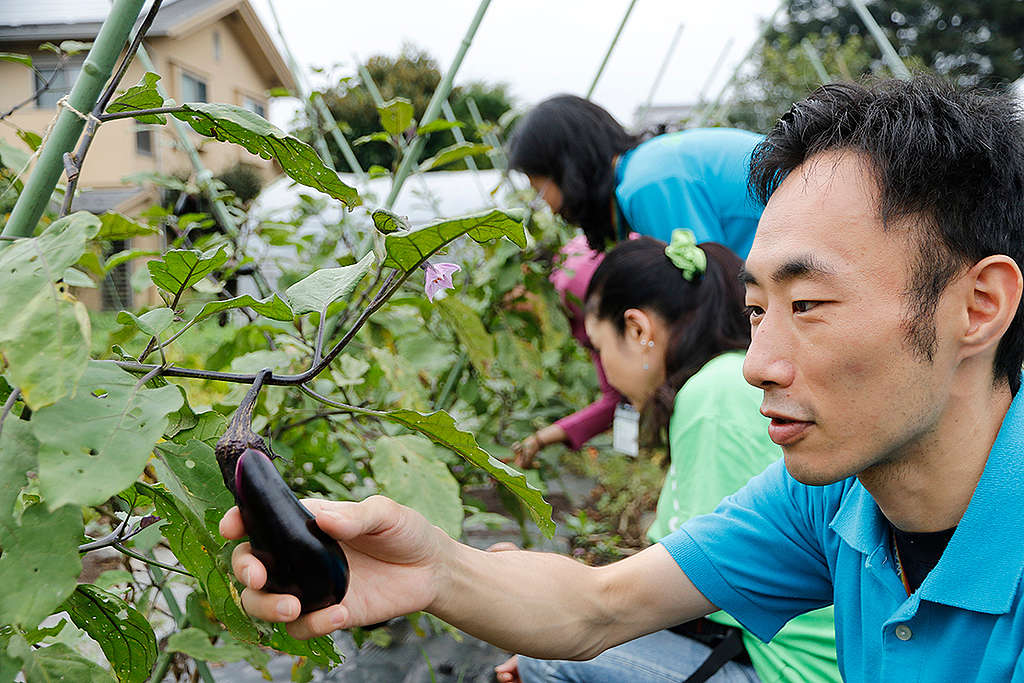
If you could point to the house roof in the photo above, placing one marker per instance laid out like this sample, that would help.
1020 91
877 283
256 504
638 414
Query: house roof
56 20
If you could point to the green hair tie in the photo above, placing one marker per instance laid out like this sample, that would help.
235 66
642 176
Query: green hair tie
684 253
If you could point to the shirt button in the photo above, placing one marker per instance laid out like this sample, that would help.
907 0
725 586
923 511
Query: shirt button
903 632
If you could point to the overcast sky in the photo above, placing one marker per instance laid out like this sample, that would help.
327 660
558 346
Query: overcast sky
538 47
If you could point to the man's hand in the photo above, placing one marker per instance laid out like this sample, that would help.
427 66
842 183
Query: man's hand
395 558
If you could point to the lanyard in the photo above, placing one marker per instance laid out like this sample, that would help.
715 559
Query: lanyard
899 567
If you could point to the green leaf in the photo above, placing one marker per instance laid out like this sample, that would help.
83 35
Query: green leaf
181 268
195 471
16 57
73 47
255 361
438 125
33 140
143 95
152 322
13 158
242 127
440 428
379 136
409 471
38 635
408 249
73 277
460 150
123 633
272 307
40 564
44 333
396 115
114 577
200 553
57 662
114 226
388 222
315 292
96 444
196 644
473 336
125 256
209 426
18 450
319 650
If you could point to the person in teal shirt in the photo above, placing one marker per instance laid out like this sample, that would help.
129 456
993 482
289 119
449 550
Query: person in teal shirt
668 324
595 174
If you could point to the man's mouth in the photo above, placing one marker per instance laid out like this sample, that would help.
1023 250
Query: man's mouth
785 430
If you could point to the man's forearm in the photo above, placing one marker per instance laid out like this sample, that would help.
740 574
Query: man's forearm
551 606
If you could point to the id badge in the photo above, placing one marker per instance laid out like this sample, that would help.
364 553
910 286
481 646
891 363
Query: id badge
626 430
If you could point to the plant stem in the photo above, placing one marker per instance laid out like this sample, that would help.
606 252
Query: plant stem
149 561
97 68
9 406
140 112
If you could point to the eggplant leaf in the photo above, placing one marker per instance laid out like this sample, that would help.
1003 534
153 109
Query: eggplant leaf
473 336
143 95
96 444
123 633
452 153
388 222
57 662
181 268
407 249
315 292
408 470
152 322
192 474
196 644
44 332
396 116
114 226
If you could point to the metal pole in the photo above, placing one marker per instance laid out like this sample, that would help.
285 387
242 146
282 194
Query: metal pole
812 54
608 54
661 73
896 65
701 97
96 70
434 107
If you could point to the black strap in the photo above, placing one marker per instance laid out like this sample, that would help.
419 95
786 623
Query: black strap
721 654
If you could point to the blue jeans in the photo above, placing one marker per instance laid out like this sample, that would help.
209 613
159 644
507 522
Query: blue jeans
660 656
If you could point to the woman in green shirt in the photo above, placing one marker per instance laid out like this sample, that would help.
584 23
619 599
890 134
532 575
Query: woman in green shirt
669 325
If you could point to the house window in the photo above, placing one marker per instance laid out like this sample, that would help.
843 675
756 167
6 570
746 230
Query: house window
144 140
193 89
53 81
255 106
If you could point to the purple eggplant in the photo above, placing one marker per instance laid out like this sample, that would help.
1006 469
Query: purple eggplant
301 559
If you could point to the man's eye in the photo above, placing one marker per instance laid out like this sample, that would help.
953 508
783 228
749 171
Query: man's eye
803 306
753 313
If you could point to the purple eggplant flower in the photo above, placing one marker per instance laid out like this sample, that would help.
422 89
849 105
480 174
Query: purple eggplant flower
439 278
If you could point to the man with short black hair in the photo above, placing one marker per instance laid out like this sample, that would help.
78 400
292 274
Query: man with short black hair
884 291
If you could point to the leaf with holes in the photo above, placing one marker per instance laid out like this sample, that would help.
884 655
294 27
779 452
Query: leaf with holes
123 633
407 249
44 332
96 444
315 292
40 564
233 124
181 268
142 95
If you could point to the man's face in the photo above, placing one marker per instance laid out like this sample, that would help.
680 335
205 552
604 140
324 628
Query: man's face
826 285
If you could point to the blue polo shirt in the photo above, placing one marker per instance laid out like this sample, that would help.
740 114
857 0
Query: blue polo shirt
694 179
778 548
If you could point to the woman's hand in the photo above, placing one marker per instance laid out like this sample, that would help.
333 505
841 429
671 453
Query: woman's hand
525 451
395 560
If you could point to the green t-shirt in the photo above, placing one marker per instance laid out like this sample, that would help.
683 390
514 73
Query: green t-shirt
719 440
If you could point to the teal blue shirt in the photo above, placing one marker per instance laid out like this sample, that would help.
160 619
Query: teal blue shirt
778 548
694 179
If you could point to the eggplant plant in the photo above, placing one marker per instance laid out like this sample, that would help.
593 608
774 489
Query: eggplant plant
106 452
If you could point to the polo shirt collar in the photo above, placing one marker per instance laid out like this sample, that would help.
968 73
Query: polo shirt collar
981 567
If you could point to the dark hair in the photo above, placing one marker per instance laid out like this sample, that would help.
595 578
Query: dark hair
706 316
949 159
574 142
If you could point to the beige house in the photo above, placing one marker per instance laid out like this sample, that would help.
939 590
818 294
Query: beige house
204 50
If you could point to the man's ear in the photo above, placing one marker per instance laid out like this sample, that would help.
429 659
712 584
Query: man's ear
993 293
639 326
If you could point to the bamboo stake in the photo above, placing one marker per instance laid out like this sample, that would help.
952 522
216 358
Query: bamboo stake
608 54
896 65
434 107
661 73
96 70
819 67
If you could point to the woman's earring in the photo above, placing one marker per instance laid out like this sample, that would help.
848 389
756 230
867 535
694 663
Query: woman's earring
648 344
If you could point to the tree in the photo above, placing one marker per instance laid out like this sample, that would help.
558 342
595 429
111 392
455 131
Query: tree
975 43
414 75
